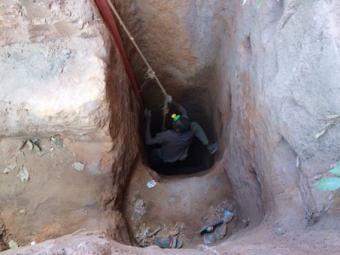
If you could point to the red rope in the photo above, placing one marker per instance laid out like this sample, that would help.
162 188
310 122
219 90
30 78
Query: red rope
110 22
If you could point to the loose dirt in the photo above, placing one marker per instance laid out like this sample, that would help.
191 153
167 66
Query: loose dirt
53 199
177 206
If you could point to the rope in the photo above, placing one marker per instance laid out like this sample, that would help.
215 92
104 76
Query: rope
150 72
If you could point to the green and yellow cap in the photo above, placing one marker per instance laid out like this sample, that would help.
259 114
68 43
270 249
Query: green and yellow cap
176 117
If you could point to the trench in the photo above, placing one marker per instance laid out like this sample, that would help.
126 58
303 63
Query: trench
192 193
195 192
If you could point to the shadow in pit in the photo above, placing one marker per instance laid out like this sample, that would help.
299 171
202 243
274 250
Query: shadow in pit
199 159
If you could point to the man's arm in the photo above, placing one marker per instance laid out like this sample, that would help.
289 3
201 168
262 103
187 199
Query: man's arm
200 135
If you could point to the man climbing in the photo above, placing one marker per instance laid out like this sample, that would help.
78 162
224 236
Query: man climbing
174 143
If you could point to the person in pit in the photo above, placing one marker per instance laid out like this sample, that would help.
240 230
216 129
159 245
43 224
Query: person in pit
173 144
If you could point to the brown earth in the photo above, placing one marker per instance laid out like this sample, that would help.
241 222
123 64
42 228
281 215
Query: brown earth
262 79
54 201
182 204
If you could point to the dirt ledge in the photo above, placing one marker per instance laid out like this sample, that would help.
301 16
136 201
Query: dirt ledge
255 242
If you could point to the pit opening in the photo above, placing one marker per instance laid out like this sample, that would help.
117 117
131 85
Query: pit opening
197 191
199 158
192 193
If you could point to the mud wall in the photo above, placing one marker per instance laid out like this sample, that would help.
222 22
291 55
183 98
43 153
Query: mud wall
60 77
280 59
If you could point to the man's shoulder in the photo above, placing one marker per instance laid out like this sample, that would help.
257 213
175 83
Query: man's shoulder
167 133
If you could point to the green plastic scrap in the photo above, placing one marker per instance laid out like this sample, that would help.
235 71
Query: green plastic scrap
336 170
328 183
258 3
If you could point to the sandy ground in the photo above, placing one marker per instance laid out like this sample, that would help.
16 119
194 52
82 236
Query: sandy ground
258 241
55 200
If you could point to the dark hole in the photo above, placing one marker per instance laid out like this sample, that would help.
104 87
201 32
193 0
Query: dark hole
199 158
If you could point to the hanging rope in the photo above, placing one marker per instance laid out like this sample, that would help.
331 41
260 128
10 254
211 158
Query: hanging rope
151 74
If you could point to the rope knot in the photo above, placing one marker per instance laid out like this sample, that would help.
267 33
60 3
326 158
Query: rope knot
151 73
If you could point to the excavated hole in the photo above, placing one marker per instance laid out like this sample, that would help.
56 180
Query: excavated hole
195 192
191 193
199 158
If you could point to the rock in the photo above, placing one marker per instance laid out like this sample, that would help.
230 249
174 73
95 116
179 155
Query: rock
209 238
30 145
22 211
78 166
139 209
13 244
6 170
279 231
57 140
151 184
52 70
24 174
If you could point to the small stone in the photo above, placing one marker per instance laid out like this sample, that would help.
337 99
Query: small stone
245 222
317 177
22 211
23 174
57 140
151 184
33 243
13 244
30 145
139 209
279 231
209 239
78 166
6 170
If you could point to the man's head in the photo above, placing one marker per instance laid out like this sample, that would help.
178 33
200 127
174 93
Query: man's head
179 123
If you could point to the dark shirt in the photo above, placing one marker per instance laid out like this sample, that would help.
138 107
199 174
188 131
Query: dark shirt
174 145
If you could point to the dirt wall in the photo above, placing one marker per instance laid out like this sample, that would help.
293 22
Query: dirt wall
280 60
270 70
64 91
